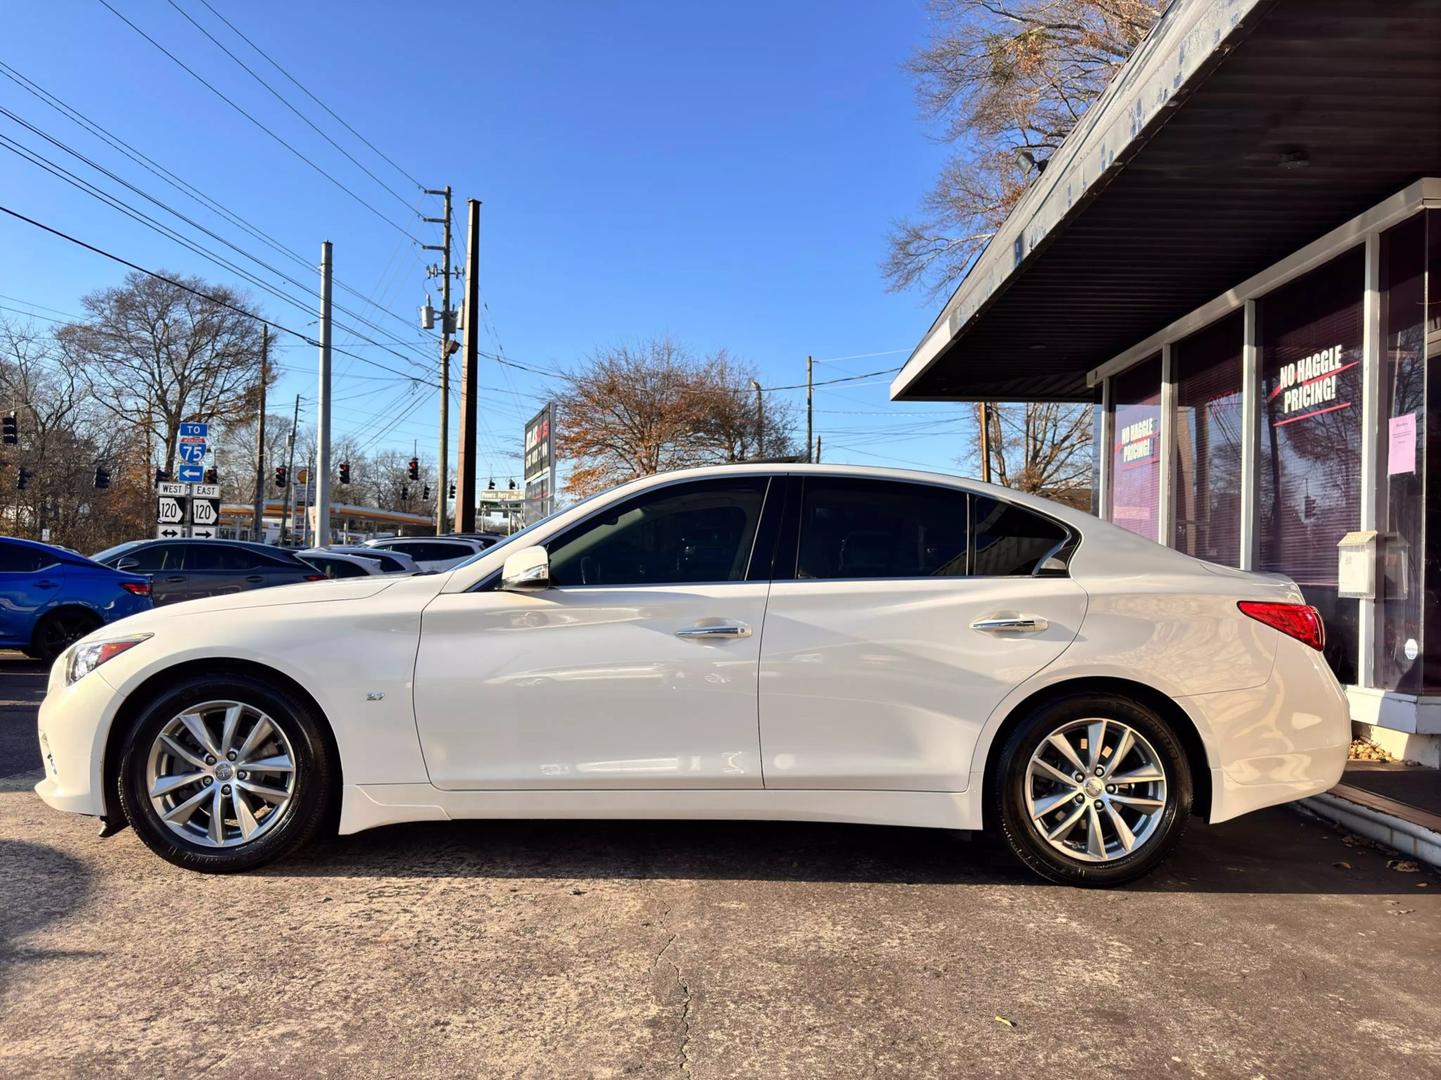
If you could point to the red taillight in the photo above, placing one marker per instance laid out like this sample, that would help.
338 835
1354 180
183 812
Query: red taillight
1300 621
136 588
314 577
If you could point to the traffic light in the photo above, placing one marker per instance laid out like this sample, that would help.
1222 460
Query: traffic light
212 476
425 494
490 486
161 477
512 483
414 471
12 430
404 493
452 490
23 480
102 477
345 472
282 476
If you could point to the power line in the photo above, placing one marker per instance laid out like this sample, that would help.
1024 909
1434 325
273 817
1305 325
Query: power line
196 292
273 63
98 130
209 86
93 190
281 98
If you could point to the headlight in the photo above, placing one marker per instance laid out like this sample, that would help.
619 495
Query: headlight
86 658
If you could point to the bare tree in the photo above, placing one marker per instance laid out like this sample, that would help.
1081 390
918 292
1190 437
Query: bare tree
653 407
155 354
1043 448
1005 80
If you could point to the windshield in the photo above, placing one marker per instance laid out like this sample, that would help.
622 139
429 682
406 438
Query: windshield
528 529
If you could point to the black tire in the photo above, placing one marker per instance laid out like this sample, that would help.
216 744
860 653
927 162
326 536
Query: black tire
59 629
315 774
1008 814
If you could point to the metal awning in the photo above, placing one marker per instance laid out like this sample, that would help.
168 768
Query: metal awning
1238 132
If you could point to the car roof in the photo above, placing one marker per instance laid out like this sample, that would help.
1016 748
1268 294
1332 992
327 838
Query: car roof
68 554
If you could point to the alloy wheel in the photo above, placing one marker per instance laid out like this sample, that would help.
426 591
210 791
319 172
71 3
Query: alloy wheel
1095 790
221 774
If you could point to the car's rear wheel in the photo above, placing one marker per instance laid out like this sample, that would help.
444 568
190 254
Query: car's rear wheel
225 774
1092 789
59 629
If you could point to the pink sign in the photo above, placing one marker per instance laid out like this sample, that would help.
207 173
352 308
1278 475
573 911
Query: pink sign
1401 453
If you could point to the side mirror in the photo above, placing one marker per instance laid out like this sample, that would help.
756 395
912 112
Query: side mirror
528 568
127 564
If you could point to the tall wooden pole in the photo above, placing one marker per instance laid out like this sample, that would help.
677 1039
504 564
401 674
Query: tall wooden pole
465 480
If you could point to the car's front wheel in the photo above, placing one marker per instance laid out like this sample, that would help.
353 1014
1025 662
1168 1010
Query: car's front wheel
225 774
1092 789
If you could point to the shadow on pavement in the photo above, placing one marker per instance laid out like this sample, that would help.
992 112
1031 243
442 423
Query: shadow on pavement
1274 851
38 886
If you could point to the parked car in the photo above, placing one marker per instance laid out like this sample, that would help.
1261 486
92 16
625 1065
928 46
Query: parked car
51 596
391 562
811 642
190 569
338 564
432 552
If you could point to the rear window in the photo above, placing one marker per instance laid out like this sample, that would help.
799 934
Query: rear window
19 559
1010 541
432 549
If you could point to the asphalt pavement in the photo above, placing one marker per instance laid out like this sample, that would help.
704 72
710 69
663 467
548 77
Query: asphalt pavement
1269 946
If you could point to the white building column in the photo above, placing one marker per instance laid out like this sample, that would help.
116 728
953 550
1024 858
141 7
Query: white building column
1166 501
1372 478
1250 433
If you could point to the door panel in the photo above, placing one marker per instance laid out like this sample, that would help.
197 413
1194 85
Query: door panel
591 687
885 685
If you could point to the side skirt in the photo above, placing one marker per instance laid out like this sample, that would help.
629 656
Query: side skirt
372 805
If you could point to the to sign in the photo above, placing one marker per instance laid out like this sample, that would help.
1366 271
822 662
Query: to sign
191 430
169 511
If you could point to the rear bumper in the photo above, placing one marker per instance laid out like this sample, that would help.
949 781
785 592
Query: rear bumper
1284 740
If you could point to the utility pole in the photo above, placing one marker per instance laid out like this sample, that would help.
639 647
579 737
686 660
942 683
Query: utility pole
447 346
818 449
289 475
810 390
985 442
257 524
760 422
469 375
322 408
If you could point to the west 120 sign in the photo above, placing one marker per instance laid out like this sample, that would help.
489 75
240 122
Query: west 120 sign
1309 387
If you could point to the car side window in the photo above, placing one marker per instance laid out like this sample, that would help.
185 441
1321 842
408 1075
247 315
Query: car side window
689 533
429 550
215 557
157 558
16 559
862 528
1011 541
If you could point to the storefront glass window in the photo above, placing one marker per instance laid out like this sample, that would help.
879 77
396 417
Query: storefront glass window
1136 449
1402 447
1309 468
1431 443
1207 475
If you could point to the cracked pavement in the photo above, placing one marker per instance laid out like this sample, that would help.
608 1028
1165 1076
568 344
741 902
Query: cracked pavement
559 949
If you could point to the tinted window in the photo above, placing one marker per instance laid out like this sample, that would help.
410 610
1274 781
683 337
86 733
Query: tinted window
1010 540
427 550
156 557
686 533
205 556
881 529
16 559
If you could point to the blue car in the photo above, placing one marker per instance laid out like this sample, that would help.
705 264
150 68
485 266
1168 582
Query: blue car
50 597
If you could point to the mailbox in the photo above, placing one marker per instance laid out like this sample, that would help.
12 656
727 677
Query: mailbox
1356 565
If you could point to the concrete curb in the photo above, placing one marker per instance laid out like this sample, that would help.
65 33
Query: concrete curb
1408 837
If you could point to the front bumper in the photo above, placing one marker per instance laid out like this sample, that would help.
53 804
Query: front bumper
73 726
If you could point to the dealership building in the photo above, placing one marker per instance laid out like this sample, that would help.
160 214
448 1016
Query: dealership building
1236 255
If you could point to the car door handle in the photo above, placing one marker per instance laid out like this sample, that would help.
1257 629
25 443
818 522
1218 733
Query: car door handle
705 633
255 578
46 584
1014 624
175 579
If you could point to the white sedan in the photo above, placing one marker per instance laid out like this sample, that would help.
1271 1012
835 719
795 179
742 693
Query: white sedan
817 643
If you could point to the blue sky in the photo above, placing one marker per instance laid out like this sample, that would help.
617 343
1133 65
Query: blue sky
725 175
